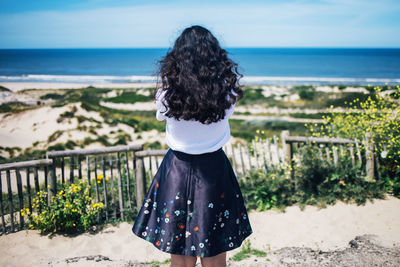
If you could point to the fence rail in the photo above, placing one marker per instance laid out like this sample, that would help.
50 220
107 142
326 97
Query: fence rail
129 178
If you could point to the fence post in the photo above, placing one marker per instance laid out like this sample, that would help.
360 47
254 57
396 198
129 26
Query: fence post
255 153
140 181
335 155
113 188
128 177
62 170
10 200
88 173
20 198
53 181
105 193
120 189
1 207
71 169
234 160
287 150
377 163
241 159
369 155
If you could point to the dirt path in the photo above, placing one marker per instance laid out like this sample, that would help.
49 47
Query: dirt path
338 235
361 251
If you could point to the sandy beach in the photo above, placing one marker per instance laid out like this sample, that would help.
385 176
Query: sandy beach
329 229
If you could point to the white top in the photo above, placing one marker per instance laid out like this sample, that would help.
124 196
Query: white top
191 136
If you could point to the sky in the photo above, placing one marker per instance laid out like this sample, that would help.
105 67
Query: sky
156 23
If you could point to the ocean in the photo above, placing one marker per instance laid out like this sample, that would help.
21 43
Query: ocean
278 66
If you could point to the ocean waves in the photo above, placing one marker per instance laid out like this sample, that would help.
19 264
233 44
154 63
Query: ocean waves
249 80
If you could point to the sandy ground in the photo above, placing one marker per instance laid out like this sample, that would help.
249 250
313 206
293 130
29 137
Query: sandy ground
346 233
36 125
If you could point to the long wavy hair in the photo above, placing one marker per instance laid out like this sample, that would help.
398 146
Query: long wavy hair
197 76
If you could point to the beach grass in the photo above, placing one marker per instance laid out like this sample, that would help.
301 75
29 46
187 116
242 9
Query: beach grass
247 252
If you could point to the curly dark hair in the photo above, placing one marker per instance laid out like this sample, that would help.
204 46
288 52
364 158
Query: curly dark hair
197 76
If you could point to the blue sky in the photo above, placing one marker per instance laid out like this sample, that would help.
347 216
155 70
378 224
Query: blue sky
123 23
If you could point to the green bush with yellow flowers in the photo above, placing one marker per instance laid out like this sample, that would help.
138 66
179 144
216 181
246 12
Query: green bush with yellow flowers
71 210
379 114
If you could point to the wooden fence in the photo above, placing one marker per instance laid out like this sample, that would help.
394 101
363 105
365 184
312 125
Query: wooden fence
130 176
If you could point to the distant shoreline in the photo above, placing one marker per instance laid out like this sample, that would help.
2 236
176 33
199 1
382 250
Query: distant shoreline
148 81
17 86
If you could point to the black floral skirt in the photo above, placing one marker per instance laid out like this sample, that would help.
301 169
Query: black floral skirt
194 206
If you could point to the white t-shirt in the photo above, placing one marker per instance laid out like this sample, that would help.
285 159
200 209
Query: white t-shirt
191 136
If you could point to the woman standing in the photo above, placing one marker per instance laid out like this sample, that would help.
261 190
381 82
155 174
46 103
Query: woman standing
194 206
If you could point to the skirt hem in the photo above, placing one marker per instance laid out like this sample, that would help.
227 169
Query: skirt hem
216 252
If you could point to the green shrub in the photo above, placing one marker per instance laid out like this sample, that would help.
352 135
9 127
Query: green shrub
4 89
267 190
318 182
14 107
129 98
307 93
380 117
252 95
52 96
71 210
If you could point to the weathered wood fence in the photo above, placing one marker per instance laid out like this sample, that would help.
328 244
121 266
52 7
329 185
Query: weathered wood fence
130 176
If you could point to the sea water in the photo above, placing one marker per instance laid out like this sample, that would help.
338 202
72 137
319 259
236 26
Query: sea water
319 66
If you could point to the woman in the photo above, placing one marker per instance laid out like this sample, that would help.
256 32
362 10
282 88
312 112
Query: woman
194 206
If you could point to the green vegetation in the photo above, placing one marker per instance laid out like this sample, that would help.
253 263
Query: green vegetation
309 98
74 202
129 97
380 118
159 263
70 211
252 96
14 107
51 96
67 114
54 136
383 88
307 93
247 252
4 89
153 145
318 181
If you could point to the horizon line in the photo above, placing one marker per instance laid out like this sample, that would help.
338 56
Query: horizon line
227 47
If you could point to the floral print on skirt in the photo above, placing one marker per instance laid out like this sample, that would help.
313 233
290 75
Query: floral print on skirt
194 206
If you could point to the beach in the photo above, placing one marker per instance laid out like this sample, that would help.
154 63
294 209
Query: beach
312 141
41 121
337 235
327 230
